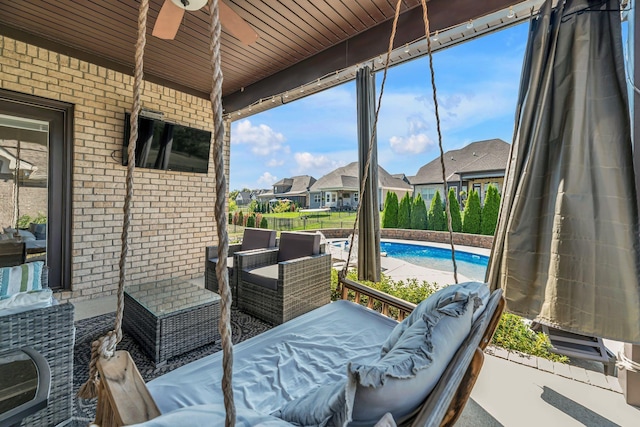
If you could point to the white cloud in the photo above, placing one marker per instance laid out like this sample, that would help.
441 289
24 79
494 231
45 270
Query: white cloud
412 144
262 139
317 165
275 163
267 179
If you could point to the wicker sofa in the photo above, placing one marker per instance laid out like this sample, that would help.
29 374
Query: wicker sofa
252 239
50 332
280 284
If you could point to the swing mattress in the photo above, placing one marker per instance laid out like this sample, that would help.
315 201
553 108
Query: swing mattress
279 365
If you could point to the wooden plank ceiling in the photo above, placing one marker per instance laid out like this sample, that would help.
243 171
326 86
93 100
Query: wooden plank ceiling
299 41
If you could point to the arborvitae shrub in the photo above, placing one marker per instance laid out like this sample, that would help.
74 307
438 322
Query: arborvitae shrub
251 221
436 219
454 207
490 211
390 215
404 212
472 213
419 214
264 223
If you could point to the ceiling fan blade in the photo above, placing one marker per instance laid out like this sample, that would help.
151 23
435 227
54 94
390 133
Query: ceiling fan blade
168 21
234 24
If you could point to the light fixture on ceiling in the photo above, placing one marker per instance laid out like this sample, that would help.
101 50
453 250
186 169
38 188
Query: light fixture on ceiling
286 94
406 48
318 84
435 37
470 24
511 13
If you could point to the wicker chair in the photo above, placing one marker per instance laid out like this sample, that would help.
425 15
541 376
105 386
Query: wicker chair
280 284
12 252
252 239
49 331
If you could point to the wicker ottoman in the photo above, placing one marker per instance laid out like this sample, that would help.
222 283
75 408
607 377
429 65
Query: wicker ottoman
170 317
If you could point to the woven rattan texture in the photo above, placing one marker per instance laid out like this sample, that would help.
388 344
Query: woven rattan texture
49 331
163 336
303 285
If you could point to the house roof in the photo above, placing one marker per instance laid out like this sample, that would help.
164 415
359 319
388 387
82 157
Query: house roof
299 185
346 178
298 42
245 195
477 157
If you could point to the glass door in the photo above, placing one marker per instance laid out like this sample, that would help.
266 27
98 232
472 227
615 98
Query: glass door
24 170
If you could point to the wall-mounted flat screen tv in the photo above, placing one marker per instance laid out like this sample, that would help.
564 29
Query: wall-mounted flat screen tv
168 146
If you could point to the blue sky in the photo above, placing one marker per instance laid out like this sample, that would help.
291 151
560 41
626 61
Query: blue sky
477 85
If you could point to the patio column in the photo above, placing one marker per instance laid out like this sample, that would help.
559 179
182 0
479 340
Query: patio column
369 219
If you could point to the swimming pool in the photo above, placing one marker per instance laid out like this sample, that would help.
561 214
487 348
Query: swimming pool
470 265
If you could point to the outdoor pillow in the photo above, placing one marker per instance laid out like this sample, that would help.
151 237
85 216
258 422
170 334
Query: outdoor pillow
442 296
38 230
212 415
23 301
403 377
21 278
25 234
6 236
327 405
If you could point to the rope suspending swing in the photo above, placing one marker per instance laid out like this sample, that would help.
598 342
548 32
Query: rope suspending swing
342 276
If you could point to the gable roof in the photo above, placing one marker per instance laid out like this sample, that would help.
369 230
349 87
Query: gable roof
347 178
477 157
299 184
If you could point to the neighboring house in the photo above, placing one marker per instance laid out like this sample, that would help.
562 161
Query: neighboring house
295 189
473 167
244 198
340 188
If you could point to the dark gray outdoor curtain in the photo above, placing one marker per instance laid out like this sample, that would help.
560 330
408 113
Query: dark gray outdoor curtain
566 248
369 219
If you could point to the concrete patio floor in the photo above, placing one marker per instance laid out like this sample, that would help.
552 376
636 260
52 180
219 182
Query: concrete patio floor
511 390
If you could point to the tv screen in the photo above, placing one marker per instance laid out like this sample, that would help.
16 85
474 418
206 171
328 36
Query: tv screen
168 146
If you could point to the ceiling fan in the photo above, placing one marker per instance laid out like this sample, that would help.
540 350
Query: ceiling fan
172 11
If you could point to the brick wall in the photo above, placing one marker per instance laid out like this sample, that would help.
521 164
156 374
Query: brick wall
464 239
172 211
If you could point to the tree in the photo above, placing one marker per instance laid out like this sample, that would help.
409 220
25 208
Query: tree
390 215
240 218
234 194
454 207
251 221
230 218
232 205
253 206
264 223
419 214
490 211
404 212
435 218
472 213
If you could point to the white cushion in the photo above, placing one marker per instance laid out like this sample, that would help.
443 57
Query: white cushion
24 301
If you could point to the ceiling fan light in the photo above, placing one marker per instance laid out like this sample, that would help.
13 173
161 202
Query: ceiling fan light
190 4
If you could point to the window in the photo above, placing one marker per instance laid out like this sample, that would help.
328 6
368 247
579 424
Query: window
42 176
317 198
428 194
356 197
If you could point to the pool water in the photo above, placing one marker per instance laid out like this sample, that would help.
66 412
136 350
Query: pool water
469 265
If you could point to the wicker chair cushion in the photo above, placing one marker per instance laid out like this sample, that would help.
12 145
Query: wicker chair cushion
399 381
38 230
257 238
229 263
21 278
442 297
26 235
298 245
264 276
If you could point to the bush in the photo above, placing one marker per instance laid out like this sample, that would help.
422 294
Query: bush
253 206
390 215
419 214
472 212
454 207
282 206
236 218
230 218
404 212
24 221
436 219
258 220
251 221
513 334
264 223
232 205
240 218
490 211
